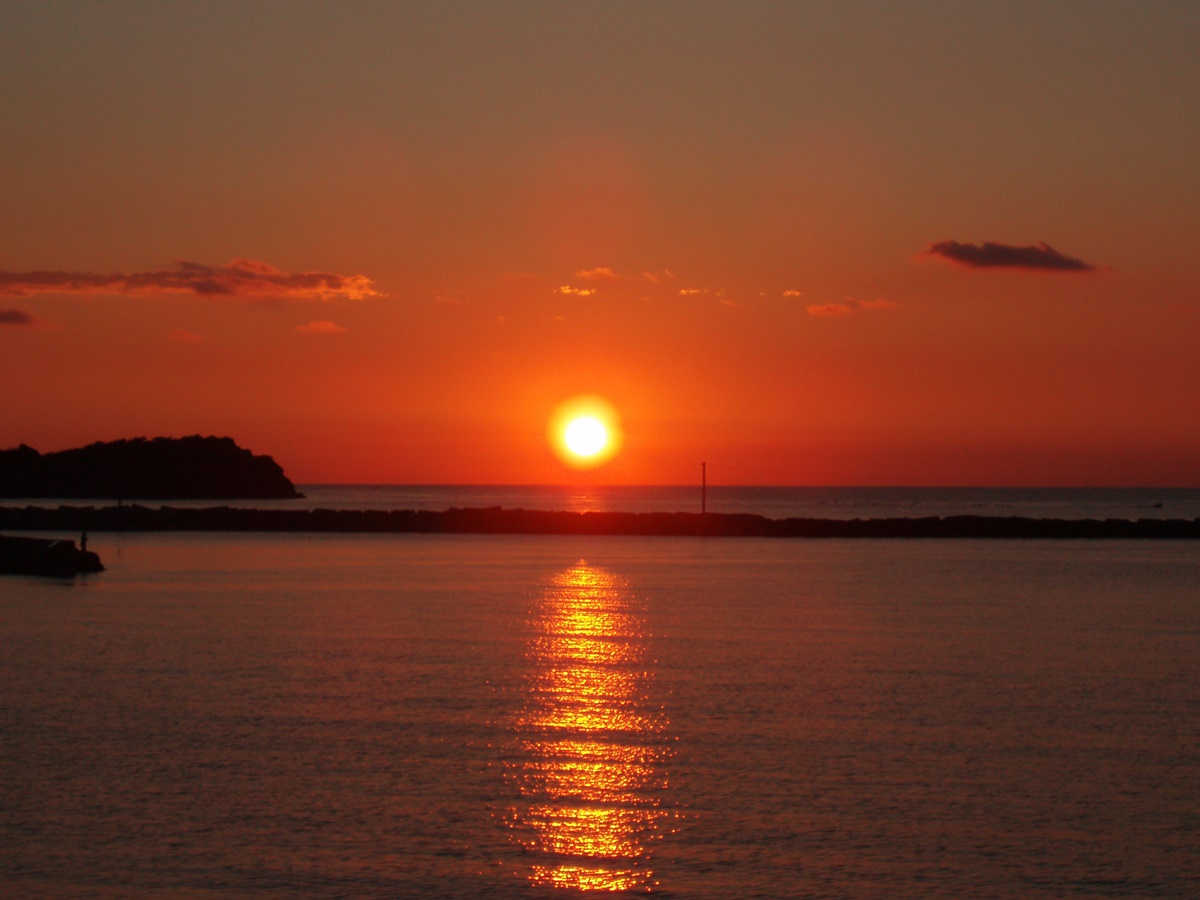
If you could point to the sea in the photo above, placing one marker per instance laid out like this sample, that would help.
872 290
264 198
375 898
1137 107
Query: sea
401 715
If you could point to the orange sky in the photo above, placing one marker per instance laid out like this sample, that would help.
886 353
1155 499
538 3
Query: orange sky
413 230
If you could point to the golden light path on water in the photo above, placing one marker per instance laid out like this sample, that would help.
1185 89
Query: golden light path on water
590 773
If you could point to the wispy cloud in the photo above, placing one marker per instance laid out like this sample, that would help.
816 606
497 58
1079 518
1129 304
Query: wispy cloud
15 317
792 292
877 303
240 278
659 277
601 273
576 292
690 292
990 255
829 310
183 336
321 327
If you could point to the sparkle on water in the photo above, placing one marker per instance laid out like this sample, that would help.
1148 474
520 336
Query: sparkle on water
591 763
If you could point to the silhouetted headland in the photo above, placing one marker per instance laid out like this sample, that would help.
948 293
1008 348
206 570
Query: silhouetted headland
38 556
495 520
189 468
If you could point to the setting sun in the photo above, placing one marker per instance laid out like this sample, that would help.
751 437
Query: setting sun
586 436
585 431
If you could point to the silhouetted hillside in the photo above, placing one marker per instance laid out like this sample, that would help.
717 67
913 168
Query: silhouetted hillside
190 468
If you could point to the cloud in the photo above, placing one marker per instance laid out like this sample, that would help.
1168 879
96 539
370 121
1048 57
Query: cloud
183 336
792 292
15 317
602 273
576 292
829 310
877 303
241 278
659 277
690 292
321 327
989 255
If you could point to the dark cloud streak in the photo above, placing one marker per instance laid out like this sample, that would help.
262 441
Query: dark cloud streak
241 278
990 255
15 317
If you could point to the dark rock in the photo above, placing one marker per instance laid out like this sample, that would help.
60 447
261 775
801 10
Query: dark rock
38 556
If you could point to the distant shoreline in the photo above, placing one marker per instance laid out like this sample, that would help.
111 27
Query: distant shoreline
497 520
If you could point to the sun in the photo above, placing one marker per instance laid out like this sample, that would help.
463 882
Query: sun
585 431
586 436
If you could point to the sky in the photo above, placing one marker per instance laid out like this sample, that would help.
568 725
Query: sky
921 243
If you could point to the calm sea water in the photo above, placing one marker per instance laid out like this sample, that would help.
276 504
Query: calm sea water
460 716
773 502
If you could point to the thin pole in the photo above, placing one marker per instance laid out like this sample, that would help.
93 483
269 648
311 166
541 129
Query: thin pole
703 488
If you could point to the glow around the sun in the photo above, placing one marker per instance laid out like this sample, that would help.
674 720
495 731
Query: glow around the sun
585 431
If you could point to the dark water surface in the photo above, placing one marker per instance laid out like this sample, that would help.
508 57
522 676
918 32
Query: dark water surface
450 716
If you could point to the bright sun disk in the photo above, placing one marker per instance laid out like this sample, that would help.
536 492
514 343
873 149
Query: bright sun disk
586 436
585 431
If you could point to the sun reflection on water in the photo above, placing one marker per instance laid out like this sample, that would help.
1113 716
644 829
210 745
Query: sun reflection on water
589 767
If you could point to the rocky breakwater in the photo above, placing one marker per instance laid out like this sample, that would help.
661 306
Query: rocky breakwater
495 520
